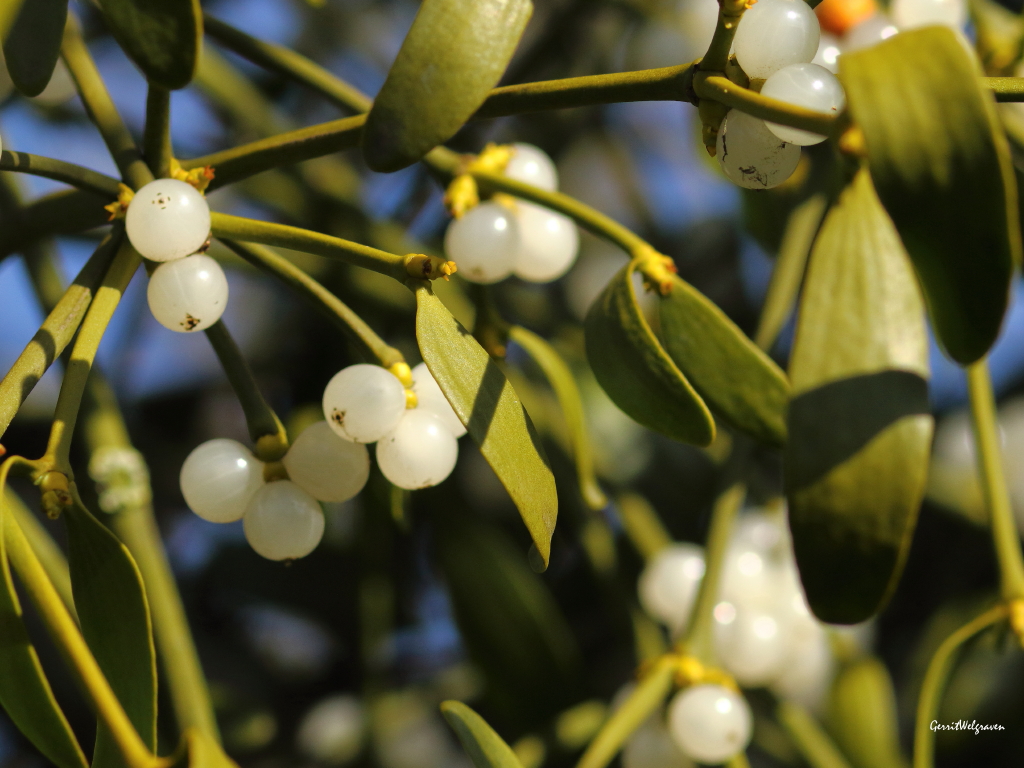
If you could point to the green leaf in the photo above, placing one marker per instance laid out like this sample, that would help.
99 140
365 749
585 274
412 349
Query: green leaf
485 747
485 402
33 46
454 54
24 690
739 381
633 368
862 715
197 750
941 165
563 383
856 460
112 607
163 37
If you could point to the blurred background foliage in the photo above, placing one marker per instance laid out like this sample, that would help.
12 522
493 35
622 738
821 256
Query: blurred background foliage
343 656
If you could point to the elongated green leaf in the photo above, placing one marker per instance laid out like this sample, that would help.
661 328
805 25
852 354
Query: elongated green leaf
111 602
163 37
859 426
24 690
560 378
942 168
485 747
486 403
739 381
863 715
33 46
633 368
456 51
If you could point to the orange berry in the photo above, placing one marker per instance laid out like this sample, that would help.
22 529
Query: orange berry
838 16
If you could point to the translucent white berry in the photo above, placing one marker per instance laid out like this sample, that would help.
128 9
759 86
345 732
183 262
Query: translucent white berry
188 294
710 723
531 165
167 219
326 466
668 585
828 53
651 746
548 243
868 33
751 155
774 34
430 398
804 85
909 14
219 478
752 643
362 403
484 243
283 522
419 453
333 730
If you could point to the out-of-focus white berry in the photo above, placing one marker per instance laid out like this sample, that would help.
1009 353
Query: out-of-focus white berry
828 53
219 478
327 466
167 219
868 33
483 243
362 403
283 522
710 723
651 746
531 165
807 673
668 585
809 86
420 452
752 156
429 397
774 34
910 14
188 294
548 243
333 730
752 643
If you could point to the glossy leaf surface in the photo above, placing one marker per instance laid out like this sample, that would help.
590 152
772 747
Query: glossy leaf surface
163 37
33 45
635 370
941 164
859 421
455 52
485 747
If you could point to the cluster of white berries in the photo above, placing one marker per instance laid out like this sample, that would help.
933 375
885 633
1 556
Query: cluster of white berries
502 237
764 633
417 446
169 221
776 42
223 482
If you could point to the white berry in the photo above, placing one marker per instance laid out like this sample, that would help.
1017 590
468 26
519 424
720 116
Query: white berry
327 466
167 219
419 453
362 403
751 643
219 478
774 34
483 243
531 165
710 723
751 155
828 53
188 294
548 243
868 33
804 85
283 522
333 730
909 14
429 397
668 585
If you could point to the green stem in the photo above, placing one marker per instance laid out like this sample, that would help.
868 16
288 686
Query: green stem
642 525
58 170
724 91
729 14
298 239
993 481
697 640
156 140
1005 88
810 739
56 331
101 109
939 667
354 326
265 429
